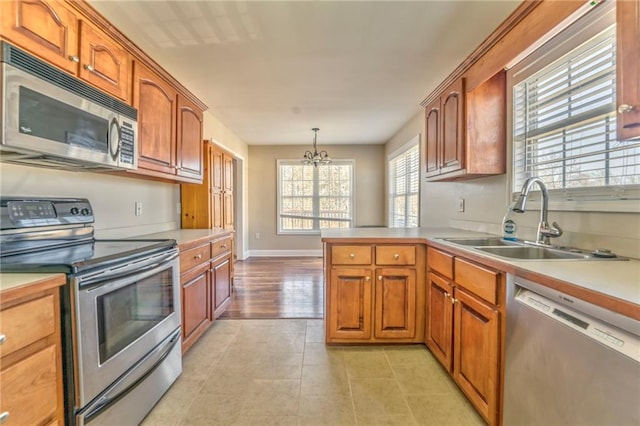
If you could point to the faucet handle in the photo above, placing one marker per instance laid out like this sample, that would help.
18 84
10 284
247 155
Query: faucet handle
554 230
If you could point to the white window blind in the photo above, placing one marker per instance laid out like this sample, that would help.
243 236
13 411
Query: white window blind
404 188
564 124
313 198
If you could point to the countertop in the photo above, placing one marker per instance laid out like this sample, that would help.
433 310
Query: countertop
619 279
10 282
185 236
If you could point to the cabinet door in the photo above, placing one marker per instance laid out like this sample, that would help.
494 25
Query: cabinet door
476 361
628 69
452 157
156 103
227 202
221 286
438 335
395 303
432 137
194 305
217 189
189 142
104 63
46 28
349 304
30 389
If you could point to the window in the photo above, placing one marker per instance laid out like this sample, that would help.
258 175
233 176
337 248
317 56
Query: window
564 118
404 185
313 198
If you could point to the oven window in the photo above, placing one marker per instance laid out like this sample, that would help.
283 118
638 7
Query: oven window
48 118
129 312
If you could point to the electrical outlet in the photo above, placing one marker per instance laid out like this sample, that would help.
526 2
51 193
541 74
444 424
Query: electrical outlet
257 235
138 208
461 204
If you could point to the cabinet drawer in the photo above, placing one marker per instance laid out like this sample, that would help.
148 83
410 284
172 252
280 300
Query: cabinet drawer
480 281
27 323
440 262
351 255
219 247
30 388
395 255
194 257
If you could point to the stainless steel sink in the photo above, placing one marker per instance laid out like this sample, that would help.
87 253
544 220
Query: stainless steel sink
535 253
482 242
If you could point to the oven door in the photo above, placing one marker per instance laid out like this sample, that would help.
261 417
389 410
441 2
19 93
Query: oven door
119 320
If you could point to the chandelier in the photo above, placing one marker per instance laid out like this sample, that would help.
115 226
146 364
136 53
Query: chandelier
316 157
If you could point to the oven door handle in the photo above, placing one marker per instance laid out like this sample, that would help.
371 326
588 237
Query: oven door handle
132 378
124 271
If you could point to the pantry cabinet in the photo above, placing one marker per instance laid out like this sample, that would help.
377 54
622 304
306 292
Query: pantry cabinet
210 204
30 354
628 69
55 32
464 302
375 293
465 133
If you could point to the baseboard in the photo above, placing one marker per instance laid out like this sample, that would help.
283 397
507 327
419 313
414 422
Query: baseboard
284 253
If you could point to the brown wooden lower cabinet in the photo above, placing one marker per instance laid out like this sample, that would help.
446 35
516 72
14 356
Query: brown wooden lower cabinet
30 355
206 281
463 328
375 293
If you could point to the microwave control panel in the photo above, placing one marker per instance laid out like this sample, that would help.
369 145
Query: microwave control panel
127 142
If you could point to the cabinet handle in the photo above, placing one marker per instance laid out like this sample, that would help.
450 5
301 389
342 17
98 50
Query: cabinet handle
74 58
446 294
352 256
367 279
197 256
2 338
223 246
622 109
89 67
4 416
379 277
453 301
396 256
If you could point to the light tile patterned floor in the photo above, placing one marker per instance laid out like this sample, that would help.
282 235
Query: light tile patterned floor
279 372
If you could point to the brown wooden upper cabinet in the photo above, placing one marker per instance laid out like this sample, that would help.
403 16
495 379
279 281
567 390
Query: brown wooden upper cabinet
465 135
628 69
169 129
53 31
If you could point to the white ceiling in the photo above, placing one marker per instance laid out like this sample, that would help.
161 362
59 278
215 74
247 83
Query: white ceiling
272 70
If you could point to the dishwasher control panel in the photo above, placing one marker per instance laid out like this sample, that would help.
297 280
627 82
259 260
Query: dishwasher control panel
600 331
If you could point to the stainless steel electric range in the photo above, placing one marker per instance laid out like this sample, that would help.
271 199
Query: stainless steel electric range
120 307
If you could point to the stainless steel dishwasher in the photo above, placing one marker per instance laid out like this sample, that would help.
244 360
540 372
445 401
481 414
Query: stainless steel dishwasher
568 362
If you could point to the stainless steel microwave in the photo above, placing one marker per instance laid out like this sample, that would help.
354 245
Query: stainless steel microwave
52 119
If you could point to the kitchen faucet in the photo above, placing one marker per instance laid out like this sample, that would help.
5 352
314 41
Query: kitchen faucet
544 230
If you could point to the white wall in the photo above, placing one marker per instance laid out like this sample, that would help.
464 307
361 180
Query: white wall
112 197
486 200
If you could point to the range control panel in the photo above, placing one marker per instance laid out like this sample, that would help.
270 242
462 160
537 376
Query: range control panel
18 213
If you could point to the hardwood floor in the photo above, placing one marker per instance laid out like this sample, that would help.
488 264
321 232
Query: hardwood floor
277 287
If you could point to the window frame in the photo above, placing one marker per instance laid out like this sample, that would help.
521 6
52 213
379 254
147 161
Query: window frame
402 150
316 195
613 198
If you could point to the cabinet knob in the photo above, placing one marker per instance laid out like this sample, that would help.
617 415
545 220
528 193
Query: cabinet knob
446 294
367 279
4 416
223 246
379 277
453 301
625 108
74 58
352 256
89 67
2 338
396 256
197 256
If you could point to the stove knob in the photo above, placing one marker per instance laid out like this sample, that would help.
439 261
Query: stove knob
85 212
74 211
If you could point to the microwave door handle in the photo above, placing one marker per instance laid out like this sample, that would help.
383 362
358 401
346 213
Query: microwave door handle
114 131
132 378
